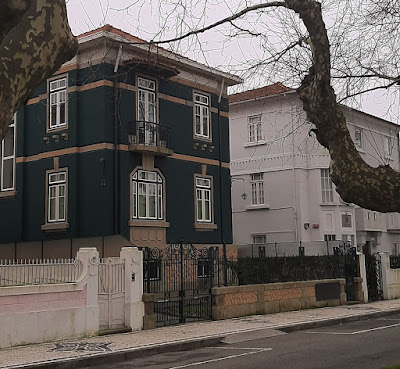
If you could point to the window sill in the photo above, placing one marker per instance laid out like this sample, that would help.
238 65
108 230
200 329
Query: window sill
257 143
55 227
148 223
257 207
205 226
328 204
8 194
204 139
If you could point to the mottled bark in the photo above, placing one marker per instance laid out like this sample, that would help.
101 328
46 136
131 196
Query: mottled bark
35 40
356 182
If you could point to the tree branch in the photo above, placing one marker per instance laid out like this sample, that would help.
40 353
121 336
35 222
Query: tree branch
39 42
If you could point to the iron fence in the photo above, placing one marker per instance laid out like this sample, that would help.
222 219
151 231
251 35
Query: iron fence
39 272
394 261
149 134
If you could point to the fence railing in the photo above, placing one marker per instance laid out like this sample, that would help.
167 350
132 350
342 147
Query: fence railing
394 261
276 249
38 272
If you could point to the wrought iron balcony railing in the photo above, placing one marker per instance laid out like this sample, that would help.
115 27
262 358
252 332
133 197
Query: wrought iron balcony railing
149 134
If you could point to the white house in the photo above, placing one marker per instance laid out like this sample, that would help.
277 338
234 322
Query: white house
281 188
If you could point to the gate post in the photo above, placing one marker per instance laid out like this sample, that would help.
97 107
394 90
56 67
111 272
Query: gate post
385 270
89 257
363 275
134 307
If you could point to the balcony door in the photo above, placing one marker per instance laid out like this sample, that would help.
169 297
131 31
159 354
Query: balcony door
147 116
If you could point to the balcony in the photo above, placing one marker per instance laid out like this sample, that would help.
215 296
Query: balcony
149 137
393 222
370 221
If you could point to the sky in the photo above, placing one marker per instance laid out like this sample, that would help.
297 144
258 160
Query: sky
162 19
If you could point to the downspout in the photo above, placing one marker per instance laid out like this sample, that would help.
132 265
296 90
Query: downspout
294 182
116 137
220 185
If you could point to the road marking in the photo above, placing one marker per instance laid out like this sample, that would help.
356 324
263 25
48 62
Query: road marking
358 332
220 359
240 348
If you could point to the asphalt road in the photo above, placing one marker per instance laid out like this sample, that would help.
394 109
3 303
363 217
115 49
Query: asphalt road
367 344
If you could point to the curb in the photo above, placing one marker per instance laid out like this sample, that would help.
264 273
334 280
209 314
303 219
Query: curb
333 321
122 355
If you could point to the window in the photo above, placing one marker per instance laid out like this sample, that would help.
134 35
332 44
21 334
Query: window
358 137
147 115
152 269
346 220
202 116
254 126
395 248
203 267
257 189
329 237
57 183
147 195
7 159
259 239
203 199
326 186
387 149
58 104
261 252
348 238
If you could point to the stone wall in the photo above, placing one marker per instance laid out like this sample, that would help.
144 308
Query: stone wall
237 301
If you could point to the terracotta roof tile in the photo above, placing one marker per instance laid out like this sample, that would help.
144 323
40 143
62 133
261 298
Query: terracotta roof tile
275 89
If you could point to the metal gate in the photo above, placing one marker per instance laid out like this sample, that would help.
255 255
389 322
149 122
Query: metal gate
374 277
111 293
348 266
181 277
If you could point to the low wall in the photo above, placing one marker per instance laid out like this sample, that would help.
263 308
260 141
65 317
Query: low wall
40 313
237 301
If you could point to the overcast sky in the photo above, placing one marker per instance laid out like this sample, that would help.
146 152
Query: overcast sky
148 19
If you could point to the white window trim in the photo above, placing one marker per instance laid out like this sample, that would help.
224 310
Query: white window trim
148 87
4 158
57 92
257 189
205 104
254 129
326 186
57 184
204 189
158 184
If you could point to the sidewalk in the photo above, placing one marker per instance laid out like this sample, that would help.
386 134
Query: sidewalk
118 347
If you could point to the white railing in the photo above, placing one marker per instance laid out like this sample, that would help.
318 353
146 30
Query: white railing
39 272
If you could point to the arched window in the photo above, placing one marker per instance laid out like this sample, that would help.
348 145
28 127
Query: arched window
147 195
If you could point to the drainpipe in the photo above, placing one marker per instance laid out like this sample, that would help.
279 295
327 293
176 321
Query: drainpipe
220 186
116 126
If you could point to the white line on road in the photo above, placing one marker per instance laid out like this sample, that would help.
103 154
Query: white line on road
358 332
220 359
240 348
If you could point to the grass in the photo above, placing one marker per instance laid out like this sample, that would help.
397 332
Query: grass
392 367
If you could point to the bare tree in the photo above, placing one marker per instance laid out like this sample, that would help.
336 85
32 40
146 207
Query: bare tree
362 68
35 40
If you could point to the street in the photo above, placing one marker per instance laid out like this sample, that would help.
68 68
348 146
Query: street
367 344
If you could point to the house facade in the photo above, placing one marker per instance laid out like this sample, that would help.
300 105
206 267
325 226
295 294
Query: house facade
127 144
281 187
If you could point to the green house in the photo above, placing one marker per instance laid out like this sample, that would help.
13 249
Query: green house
127 144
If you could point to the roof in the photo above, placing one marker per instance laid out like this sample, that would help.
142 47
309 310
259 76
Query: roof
122 36
275 89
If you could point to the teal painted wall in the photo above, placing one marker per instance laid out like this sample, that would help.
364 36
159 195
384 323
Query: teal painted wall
91 182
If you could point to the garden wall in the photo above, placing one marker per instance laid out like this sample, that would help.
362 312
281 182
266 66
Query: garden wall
237 301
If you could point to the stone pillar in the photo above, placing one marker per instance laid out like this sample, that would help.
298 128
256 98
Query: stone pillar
385 265
149 319
134 307
89 257
363 275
